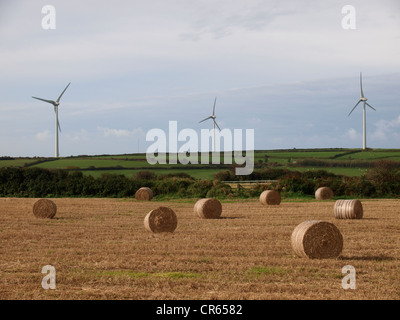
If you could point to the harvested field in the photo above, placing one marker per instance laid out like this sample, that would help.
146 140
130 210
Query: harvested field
101 250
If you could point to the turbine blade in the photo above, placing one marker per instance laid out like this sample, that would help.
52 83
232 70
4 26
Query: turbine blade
217 125
370 106
205 119
48 101
214 106
354 107
362 93
58 100
59 127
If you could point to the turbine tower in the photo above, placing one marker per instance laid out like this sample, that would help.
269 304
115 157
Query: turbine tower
214 123
55 104
364 100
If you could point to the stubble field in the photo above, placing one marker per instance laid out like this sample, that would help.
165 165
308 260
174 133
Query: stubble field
100 250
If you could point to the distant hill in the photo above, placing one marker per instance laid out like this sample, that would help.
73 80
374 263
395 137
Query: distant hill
349 162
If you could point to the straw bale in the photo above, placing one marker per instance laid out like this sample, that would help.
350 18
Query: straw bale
208 208
161 219
348 209
317 239
45 209
270 197
144 194
324 193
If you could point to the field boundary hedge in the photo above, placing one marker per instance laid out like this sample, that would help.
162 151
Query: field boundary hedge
383 180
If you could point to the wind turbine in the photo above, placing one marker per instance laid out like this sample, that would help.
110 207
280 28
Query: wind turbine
214 122
364 100
55 104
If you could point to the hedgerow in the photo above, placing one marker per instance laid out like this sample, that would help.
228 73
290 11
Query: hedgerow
383 180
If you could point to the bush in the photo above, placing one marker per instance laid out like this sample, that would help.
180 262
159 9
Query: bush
176 175
199 189
224 175
313 174
296 182
381 181
219 190
385 177
145 175
263 174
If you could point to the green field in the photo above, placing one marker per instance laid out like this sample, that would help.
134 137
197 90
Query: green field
195 173
338 161
376 155
297 154
350 172
20 162
87 163
341 154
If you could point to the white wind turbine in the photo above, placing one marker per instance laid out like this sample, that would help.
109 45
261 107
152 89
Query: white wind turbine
213 117
364 100
55 104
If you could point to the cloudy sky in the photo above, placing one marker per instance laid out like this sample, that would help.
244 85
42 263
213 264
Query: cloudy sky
287 69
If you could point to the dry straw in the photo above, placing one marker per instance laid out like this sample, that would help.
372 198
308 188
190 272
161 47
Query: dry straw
324 193
348 209
144 194
208 208
316 239
162 219
45 209
270 197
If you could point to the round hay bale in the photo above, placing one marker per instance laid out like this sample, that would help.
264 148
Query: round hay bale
208 208
324 193
162 219
317 239
45 209
270 197
144 194
348 209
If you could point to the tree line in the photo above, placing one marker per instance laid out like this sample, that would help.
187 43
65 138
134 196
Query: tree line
383 180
